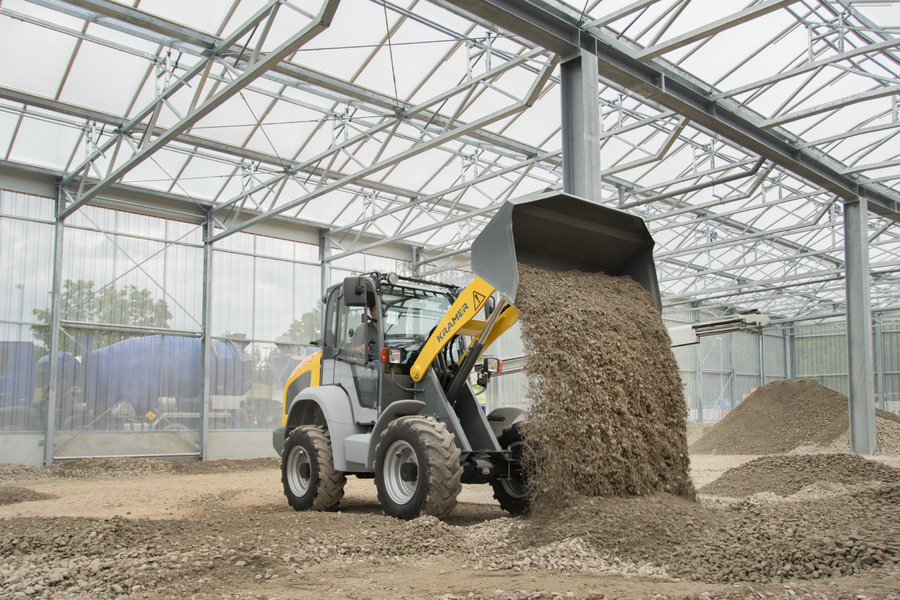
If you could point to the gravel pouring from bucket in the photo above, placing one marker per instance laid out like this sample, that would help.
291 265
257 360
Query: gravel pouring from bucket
555 231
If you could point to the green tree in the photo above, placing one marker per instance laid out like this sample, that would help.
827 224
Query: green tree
308 327
128 305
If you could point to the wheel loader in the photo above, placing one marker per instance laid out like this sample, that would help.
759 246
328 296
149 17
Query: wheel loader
388 395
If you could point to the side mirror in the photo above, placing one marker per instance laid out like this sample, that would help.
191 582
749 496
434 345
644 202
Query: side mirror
354 289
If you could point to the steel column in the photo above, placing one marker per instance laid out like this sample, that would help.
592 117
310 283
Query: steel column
734 387
698 387
324 265
879 363
788 333
580 90
860 361
206 340
762 359
54 391
415 257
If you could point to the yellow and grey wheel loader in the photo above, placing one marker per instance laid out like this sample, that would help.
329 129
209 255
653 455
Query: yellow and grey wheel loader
388 394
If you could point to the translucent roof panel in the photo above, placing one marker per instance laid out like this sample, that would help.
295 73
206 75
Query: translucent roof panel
410 122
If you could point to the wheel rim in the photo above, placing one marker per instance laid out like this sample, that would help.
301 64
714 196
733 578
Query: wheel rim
398 489
298 464
517 487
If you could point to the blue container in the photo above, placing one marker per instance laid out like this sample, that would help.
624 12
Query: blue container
142 370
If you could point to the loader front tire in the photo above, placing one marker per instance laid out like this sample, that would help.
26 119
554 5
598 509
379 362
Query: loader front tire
514 493
307 470
417 468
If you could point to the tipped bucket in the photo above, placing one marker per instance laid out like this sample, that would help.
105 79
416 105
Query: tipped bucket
555 231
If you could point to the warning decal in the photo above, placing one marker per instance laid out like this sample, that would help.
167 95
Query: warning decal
479 298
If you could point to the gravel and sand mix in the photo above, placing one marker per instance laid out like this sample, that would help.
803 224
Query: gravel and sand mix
790 540
607 411
125 467
793 416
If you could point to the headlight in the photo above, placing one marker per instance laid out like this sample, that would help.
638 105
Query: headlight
393 278
391 356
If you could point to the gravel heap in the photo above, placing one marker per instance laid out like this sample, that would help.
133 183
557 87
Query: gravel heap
788 475
744 541
123 467
793 416
607 412
14 495
793 535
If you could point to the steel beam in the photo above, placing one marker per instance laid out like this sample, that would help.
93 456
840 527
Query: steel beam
622 12
322 21
533 93
713 28
879 92
580 125
861 364
557 27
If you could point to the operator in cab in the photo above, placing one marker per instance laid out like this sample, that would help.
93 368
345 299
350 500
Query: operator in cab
366 337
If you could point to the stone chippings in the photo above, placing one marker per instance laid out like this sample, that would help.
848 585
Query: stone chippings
786 476
124 467
771 530
607 411
793 416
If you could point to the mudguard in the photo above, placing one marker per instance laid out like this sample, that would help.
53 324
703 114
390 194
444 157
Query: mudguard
327 405
394 410
502 417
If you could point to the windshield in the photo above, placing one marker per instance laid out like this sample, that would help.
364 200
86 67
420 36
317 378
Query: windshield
410 314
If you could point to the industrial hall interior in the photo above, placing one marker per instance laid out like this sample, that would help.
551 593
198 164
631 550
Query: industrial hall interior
182 183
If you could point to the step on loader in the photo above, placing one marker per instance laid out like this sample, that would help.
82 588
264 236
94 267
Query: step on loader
388 394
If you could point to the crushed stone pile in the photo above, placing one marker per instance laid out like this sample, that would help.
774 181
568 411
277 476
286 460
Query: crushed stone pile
788 475
124 467
607 413
14 495
786 416
834 535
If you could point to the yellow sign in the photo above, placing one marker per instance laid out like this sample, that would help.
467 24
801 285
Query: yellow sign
462 312
150 415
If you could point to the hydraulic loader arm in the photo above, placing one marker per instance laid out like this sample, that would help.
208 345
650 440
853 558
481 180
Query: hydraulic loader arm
460 320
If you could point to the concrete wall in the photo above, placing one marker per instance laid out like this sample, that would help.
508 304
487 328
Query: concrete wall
22 448
28 448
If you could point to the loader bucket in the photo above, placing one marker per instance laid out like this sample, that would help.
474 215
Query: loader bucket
555 231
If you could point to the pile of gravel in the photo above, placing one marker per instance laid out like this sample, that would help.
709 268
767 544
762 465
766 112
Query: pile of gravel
788 475
607 412
14 495
793 416
12 473
124 467
828 538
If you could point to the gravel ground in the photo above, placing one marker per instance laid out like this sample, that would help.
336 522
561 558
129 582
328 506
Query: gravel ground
117 467
811 526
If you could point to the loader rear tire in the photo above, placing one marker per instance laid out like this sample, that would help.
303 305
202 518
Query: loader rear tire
417 468
514 493
307 470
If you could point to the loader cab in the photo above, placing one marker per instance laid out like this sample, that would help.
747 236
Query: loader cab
366 314
352 345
